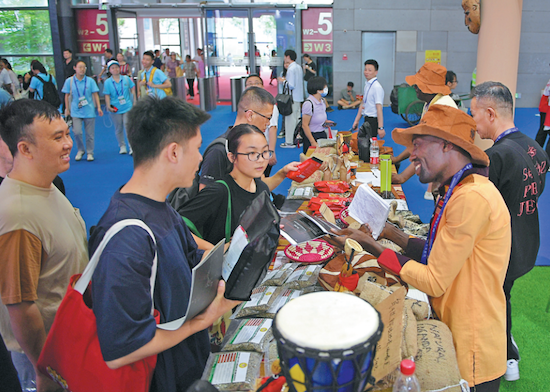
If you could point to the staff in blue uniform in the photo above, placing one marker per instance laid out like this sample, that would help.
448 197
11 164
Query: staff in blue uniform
120 95
81 102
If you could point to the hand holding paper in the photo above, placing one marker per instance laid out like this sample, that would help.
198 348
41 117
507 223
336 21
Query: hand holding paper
368 207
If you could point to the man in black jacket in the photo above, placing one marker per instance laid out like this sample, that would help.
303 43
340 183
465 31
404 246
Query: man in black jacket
518 169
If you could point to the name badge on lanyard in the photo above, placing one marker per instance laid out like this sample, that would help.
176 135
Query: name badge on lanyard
82 101
121 99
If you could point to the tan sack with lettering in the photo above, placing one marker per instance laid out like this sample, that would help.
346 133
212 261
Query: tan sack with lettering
436 364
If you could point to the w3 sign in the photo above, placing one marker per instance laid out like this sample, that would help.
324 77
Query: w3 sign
317 31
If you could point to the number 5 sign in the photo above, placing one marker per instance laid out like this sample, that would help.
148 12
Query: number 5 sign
317 31
92 31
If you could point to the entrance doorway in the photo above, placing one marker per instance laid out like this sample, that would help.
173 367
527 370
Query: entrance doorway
229 34
380 46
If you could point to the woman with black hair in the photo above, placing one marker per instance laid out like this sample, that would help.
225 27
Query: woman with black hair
37 85
314 113
15 90
207 214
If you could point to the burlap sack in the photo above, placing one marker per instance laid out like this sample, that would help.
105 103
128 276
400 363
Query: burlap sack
420 309
373 292
436 364
409 343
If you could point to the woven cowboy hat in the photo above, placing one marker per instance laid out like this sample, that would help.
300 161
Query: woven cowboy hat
447 123
430 78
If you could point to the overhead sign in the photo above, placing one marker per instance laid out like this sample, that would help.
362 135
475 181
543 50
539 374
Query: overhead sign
92 31
317 31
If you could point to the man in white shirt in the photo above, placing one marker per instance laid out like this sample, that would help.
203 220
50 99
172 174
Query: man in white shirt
373 99
295 80
271 130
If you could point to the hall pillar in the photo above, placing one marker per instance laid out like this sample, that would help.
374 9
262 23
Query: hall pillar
498 45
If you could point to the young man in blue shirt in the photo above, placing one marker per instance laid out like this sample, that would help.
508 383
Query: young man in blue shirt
166 138
81 102
152 78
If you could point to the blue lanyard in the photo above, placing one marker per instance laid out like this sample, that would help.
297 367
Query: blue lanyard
506 133
76 86
429 242
121 86
367 94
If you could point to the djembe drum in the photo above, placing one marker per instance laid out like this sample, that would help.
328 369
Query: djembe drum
327 341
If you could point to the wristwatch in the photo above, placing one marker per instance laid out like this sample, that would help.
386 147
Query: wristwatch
381 128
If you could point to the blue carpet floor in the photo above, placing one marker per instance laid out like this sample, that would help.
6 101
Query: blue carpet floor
90 185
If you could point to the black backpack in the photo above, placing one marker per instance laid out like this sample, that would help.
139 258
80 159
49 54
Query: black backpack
180 196
299 131
50 93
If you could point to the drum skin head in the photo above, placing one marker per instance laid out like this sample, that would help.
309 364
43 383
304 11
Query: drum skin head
327 321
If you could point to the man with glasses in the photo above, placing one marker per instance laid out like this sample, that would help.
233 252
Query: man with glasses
271 131
255 108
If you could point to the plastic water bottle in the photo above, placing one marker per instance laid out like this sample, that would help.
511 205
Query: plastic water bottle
374 154
407 381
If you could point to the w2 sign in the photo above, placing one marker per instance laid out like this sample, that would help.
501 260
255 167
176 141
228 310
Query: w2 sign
317 31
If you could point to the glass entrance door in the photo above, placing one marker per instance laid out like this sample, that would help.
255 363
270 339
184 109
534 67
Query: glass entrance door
227 45
227 33
274 32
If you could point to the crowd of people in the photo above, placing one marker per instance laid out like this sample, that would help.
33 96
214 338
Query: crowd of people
484 233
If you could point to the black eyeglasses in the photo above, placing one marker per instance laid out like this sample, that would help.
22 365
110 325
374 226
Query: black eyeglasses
255 156
267 118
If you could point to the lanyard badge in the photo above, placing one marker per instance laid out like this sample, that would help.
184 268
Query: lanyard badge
82 101
431 238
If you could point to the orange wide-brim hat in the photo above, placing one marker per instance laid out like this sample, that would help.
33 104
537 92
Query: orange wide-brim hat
430 79
447 123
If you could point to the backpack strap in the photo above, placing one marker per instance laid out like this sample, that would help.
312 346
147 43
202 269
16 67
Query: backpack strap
43 82
228 217
194 229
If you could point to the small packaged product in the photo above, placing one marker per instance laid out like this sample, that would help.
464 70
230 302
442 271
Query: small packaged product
332 186
261 299
302 277
300 192
248 335
305 169
277 277
283 298
233 371
335 204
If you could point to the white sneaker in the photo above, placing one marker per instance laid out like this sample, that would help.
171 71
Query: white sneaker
281 135
123 150
428 196
79 155
288 145
90 157
512 370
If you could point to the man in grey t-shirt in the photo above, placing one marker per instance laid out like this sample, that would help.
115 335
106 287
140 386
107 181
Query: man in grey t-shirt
348 98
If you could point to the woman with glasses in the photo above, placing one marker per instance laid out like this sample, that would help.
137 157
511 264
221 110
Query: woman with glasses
206 214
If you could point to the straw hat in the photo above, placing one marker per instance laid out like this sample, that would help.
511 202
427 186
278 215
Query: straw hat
447 123
430 78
